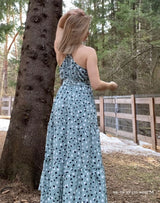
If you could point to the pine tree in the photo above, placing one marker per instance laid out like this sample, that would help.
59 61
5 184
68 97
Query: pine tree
24 148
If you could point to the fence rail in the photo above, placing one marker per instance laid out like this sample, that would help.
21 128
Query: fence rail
130 117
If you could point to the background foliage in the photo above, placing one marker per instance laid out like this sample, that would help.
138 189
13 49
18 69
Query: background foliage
12 20
125 34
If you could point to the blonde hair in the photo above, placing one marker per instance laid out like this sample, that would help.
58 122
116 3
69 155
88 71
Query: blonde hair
75 30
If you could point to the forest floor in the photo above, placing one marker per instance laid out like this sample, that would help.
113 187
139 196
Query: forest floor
129 179
132 175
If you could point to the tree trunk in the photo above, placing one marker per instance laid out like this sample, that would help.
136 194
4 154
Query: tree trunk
103 33
6 60
134 51
24 147
20 13
113 5
16 50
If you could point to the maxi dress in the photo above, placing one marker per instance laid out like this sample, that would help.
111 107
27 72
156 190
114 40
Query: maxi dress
73 170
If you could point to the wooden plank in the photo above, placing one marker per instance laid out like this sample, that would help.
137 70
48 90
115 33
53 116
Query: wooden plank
110 114
125 134
158 142
101 107
5 99
157 119
4 117
124 115
4 108
134 121
9 105
109 101
97 101
157 100
145 138
111 130
98 113
153 124
142 100
143 118
123 101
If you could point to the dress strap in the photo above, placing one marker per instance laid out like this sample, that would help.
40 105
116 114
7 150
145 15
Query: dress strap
69 55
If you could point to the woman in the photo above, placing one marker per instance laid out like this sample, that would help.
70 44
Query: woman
73 171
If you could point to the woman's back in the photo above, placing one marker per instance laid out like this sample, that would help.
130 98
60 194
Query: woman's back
79 56
72 73
86 58
72 31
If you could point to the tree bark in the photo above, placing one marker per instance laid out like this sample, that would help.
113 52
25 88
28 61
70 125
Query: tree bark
24 147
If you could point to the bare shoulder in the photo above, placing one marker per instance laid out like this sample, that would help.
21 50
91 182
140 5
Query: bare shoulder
89 50
91 54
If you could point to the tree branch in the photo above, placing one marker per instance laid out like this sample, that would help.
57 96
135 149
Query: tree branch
12 42
126 63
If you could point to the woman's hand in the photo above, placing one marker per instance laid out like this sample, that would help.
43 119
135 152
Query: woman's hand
113 85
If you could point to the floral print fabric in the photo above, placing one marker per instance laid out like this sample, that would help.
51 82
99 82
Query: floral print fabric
73 171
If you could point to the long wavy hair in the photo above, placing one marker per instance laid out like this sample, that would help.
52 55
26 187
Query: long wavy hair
75 30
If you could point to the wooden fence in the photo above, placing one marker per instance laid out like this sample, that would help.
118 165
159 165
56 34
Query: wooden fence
6 105
112 119
133 116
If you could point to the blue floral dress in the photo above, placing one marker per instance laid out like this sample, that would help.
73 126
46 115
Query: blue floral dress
73 170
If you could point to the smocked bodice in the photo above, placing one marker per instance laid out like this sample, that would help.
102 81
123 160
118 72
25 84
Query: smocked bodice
71 72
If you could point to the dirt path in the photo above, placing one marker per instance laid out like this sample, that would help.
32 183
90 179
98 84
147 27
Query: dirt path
132 179
129 178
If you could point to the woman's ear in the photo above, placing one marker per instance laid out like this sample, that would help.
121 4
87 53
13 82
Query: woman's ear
86 36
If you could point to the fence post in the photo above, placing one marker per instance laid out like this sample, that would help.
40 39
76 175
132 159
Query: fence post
153 124
9 105
0 105
101 109
116 111
134 120
12 102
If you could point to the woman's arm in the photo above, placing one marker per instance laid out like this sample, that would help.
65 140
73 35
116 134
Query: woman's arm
65 16
93 73
63 20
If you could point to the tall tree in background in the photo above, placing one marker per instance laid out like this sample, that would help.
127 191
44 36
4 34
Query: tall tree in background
11 28
5 29
23 151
